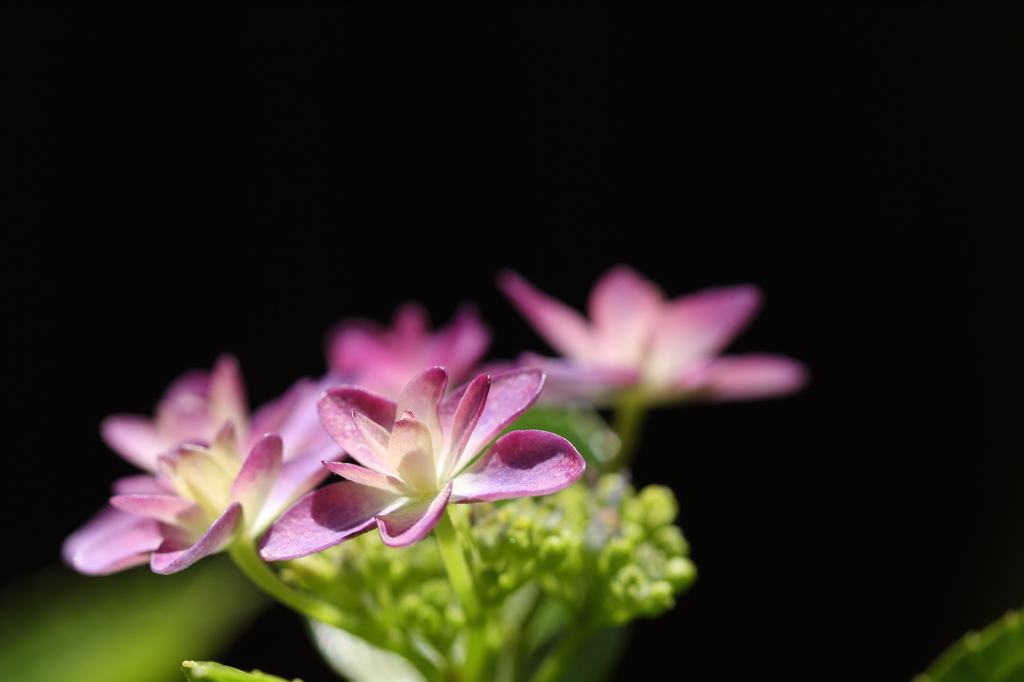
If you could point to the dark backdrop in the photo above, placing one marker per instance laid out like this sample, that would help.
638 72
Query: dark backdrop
182 182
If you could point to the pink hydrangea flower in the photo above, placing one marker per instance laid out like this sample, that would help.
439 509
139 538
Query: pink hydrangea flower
200 492
661 350
383 360
419 455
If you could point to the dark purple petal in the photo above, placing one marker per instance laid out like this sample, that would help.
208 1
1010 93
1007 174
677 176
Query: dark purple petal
520 464
510 394
744 377
324 518
336 406
111 541
460 427
170 509
562 327
259 470
135 438
172 556
413 522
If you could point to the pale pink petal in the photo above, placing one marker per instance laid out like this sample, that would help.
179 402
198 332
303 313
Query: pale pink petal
745 377
411 326
301 429
520 464
271 416
227 393
510 394
624 308
699 326
364 476
111 541
565 329
135 438
460 344
252 485
336 406
296 478
411 455
462 423
170 509
183 413
422 397
141 484
172 556
413 522
324 518
567 381
374 435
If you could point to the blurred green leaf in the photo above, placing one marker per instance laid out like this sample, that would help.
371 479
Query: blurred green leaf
134 626
215 672
360 661
996 654
581 426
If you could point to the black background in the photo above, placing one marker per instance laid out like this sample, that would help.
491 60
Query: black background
185 181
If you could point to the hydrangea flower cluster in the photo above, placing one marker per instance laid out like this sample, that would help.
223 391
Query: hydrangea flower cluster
539 546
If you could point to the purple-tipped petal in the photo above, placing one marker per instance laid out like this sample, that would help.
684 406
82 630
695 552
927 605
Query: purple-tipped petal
561 326
134 437
170 509
324 518
141 484
699 326
111 541
252 485
336 407
364 476
465 419
422 397
509 395
413 522
746 377
623 307
172 556
227 392
520 464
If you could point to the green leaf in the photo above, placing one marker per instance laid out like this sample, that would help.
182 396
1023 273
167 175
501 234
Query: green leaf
358 660
996 654
208 671
134 626
581 426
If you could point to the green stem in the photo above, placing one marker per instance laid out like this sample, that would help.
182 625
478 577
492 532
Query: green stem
243 553
628 422
465 589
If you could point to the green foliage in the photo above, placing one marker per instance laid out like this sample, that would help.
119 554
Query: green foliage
996 654
134 626
208 671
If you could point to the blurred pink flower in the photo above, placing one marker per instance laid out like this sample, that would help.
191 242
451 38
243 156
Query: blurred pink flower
420 455
659 350
383 360
200 492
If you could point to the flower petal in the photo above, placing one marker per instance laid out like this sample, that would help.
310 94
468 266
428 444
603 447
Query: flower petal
565 329
746 377
173 555
324 518
411 455
375 436
364 476
422 397
462 423
413 522
252 485
141 484
111 541
296 478
459 345
520 464
227 393
170 509
510 394
567 381
134 437
624 308
699 326
336 406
